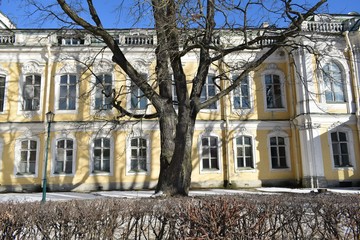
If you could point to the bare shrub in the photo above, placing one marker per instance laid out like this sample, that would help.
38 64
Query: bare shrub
285 216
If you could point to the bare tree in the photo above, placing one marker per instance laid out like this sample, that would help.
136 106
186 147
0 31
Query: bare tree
193 26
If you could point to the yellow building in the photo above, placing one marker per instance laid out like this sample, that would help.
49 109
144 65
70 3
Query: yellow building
290 123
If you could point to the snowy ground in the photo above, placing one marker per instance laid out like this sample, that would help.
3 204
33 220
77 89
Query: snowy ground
65 196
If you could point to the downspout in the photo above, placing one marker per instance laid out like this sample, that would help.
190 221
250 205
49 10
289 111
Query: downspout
293 130
227 179
48 78
355 80
47 93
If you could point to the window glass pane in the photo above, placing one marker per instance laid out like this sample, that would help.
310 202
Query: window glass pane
343 148
213 141
281 141
72 79
342 136
134 142
97 142
206 164
334 137
106 142
335 147
273 141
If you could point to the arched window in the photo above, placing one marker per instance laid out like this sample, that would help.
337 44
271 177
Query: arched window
333 83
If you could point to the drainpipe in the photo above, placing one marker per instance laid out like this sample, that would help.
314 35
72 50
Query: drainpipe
47 94
227 180
355 80
293 130
48 78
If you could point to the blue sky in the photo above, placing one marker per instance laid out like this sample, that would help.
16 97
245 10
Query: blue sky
120 17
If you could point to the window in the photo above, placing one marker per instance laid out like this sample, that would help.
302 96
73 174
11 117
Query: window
174 95
209 154
241 97
28 156
278 152
67 94
340 149
2 93
31 93
64 156
138 99
103 92
244 153
101 155
273 90
208 91
138 156
71 40
334 83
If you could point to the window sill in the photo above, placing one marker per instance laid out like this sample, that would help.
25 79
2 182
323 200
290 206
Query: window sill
210 170
245 170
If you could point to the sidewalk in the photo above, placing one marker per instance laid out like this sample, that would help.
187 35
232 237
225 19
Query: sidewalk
65 196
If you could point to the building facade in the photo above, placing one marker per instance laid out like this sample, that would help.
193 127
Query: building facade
294 121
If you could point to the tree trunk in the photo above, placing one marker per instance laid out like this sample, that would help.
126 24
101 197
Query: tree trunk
175 177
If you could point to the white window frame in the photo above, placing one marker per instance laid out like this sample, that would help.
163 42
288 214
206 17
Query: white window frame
219 152
94 89
128 154
31 68
57 94
287 150
5 75
54 154
91 148
250 77
244 169
344 77
282 88
18 156
217 106
350 145
129 97
1 154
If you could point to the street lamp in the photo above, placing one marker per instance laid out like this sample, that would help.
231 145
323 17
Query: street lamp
49 118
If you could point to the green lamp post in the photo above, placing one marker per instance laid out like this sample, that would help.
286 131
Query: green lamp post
49 118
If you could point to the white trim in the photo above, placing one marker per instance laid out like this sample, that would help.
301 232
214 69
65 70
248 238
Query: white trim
219 152
217 103
138 134
287 150
17 156
54 154
350 146
91 158
273 70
